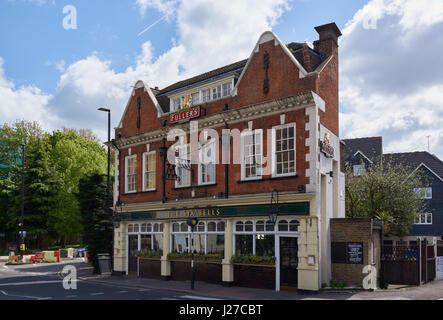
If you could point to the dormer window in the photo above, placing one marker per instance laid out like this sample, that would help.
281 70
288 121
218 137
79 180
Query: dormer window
226 89
176 104
206 95
216 92
195 98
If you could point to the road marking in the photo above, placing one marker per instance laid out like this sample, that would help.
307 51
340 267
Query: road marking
141 290
123 291
97 294
73 296
16 295
31 282
47 298
198 298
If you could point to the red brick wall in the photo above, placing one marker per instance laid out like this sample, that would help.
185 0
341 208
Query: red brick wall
283 81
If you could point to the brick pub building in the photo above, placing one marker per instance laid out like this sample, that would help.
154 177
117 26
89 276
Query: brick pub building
283 100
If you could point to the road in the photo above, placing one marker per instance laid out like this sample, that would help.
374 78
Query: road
44 282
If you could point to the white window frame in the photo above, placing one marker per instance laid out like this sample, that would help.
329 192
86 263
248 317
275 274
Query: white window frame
223 89
126 173
274 148
427 194
189 234
194 103
422 219
152 232
145 157
254 231
242 154
212 144
218 92
180 148
174 106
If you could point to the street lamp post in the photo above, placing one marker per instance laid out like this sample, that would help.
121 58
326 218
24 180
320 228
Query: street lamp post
192 222
22 245
109 155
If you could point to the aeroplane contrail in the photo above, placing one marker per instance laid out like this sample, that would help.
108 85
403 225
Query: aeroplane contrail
152 25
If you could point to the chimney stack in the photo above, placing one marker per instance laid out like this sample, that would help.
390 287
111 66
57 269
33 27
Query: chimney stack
328 38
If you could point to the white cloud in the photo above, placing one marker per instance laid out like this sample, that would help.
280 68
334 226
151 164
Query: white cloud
209 34
390 80
26 102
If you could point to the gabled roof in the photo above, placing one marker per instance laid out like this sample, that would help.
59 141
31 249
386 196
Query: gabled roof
371 148
295 48
416 160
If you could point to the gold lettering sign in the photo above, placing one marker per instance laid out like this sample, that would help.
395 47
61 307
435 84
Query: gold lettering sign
194 213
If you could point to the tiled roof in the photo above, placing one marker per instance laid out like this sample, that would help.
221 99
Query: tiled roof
414 159
371 147
295 47
204 76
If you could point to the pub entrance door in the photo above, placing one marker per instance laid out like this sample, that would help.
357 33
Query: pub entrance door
132 249
288 262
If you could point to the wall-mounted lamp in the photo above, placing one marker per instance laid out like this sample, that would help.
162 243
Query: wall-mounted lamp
331 174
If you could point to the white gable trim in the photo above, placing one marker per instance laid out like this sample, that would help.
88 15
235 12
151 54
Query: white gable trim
363 156
266 37
422 164
141 84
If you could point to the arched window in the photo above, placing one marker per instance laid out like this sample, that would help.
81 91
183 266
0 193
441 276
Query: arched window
283 225
270 226
201 227
293 225
161 227
260 226
148 227
221 226
156 227
175 227
239 226
211 227
136 228
183 227
249 226
143 227
130 228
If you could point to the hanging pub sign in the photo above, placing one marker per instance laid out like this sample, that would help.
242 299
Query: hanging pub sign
186 112
325 146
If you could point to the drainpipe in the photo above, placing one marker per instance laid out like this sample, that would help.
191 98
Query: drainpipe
163 154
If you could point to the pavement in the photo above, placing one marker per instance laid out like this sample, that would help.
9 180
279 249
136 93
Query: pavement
45 282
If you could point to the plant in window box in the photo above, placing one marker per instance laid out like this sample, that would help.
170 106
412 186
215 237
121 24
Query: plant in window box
151 254
253 259
209 257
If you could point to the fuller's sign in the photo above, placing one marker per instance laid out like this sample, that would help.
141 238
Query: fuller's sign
185 114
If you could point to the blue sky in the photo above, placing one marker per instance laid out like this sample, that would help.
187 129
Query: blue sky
34 39
58 77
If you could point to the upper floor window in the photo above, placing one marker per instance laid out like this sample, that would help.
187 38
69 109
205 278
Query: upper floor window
206 95
251 146
284 150
424 218
195 98
216 92
176 104
149 171
359 170
226 89
181 166
131 174
424 193
206 163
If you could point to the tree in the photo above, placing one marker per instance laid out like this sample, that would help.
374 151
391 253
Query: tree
96 217
385 192
72 157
